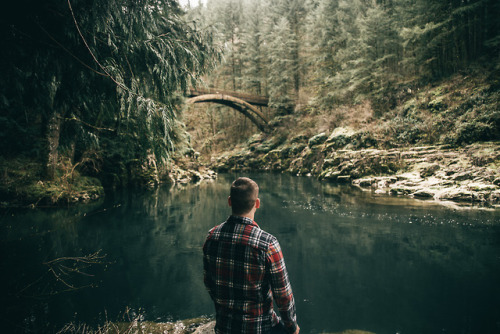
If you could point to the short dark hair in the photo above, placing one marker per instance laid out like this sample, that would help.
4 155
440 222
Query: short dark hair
244 193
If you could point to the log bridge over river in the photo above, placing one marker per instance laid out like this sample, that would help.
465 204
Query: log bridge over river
245 103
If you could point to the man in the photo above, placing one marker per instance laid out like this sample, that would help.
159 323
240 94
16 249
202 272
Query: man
244 270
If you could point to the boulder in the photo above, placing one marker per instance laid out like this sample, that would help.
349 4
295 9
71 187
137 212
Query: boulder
317 139
302 138
340 137
462 176
457 195
423 193
365 183
429 170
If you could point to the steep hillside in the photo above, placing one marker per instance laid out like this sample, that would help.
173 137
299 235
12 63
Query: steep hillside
441 141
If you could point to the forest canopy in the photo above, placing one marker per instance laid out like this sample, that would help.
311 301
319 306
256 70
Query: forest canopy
102 81
318 56
96 78
348 50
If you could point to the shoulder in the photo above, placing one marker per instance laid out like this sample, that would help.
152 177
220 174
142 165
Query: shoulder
265 239
267 236
214 230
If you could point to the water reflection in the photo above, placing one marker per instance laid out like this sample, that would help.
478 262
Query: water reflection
356 261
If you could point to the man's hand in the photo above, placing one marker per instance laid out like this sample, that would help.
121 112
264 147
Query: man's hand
297 330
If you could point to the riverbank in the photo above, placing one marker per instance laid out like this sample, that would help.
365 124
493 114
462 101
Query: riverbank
22 183
189 326
465 175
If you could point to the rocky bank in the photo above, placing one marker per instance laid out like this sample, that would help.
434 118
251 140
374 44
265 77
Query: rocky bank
465 175
22 183
194 326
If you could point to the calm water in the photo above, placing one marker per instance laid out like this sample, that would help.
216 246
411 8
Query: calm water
379 264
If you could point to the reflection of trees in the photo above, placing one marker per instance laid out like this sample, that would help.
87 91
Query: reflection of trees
356 261
29 241
354 258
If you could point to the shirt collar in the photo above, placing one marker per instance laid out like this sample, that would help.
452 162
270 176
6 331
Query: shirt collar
242 220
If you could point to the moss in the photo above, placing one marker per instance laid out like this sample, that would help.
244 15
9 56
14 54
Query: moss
21 184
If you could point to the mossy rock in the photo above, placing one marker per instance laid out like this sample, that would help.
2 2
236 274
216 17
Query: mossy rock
317 139
429 170
302 138
297 148
77 189
269 144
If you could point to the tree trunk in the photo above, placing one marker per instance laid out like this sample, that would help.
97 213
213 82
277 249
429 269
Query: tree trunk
53 131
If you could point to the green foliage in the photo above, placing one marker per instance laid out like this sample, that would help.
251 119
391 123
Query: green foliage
358 52
281 72
107 71
20 184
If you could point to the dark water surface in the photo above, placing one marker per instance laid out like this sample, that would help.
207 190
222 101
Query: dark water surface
379 264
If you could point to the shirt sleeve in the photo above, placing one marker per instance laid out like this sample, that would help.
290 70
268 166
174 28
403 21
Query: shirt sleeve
207 277
280 285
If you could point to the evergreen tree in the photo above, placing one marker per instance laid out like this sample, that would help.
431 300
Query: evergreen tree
253 48
295 12
281 72
100 74
324 41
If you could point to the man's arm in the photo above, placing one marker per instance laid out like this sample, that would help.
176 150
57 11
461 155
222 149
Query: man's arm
281 287
207 278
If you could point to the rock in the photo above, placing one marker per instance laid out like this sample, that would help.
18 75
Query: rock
268 145
450 172
195 176
330 175
481 187
341 132
299 139
495 197
344 178
423 193
256 138
384 182
402 190
317 139
462 176
429 170
364 182
457 195
422 172
207 328
340 137
297 148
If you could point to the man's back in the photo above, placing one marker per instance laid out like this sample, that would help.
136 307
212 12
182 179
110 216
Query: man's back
244 269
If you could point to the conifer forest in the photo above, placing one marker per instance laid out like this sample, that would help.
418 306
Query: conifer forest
372 128
98 88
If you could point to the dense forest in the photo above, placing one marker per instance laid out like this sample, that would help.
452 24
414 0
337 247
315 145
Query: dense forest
93 87
96 88
326 56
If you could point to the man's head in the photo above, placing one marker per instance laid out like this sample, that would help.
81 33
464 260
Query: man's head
244 196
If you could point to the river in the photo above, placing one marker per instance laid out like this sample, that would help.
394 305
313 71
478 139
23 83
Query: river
356 260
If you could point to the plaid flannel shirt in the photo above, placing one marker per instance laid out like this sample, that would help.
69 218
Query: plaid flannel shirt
243 270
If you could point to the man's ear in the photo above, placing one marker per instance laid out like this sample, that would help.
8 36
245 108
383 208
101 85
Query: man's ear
257 203
229 201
